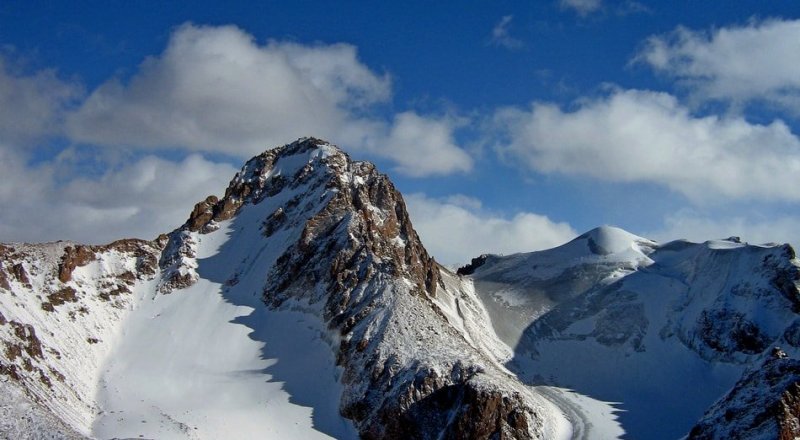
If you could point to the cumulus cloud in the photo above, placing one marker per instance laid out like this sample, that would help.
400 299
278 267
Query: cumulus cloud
501 35
697 227
32 106
457 228
423 146
142 199
581 7
217 89
756 61
213 89
644 136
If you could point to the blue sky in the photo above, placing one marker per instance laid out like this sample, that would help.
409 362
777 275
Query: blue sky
509 126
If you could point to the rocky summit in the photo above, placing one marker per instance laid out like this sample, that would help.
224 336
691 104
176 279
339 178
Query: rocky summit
302 304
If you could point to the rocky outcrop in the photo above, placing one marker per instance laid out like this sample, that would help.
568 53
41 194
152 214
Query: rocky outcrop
786 276
80 255
360 261
434 408
473 265
764 404
74 256
202 214
177 261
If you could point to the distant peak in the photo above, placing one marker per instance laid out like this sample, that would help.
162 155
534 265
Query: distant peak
605 240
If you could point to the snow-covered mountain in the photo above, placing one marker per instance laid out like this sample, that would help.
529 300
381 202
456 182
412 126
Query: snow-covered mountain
663 330
302 304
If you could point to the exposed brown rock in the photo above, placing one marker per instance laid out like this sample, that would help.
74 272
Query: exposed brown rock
5 257
4 278
434 407
45 380
117 290
29 343
62 296
275 220
13 351
146 253
202 214
18 270
9 370
488 414
128 278
74 256
57 374
80 255
788 413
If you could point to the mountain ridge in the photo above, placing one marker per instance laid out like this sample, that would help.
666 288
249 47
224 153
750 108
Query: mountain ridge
330 238
310 244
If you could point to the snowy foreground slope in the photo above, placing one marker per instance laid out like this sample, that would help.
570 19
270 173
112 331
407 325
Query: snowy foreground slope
662 330
303 305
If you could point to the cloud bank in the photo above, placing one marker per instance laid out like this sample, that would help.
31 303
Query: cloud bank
739 64
215 89
644 136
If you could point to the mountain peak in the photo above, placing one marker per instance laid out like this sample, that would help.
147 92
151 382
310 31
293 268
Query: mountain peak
606 240
266 174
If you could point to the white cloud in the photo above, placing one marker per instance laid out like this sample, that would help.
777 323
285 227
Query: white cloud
696 227
217 89
643 136
501 35
32 106
212 89
423 146
142 199
581 7
757 61
456 229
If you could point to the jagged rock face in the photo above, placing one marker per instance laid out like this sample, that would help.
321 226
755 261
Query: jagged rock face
359 257
378 211
764 404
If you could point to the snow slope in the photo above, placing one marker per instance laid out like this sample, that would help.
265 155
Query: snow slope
209 360
663 330
60 306
23 419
